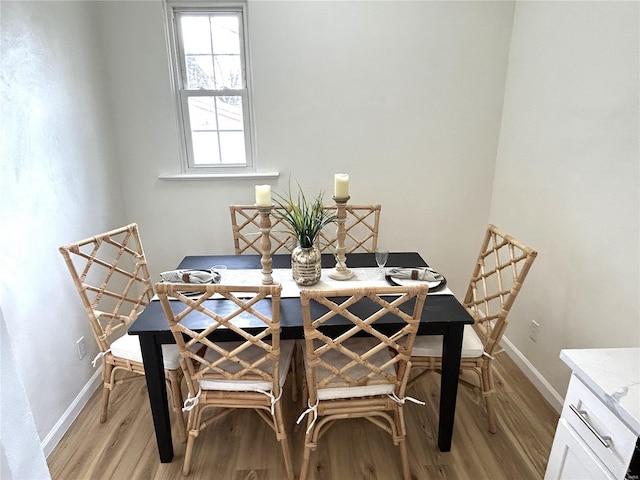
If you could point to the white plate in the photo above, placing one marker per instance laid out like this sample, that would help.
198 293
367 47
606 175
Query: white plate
408 282
192 294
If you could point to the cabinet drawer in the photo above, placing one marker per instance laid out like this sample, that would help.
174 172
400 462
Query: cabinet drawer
609 438
571 459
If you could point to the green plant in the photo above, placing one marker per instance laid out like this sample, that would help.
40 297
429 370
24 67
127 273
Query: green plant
306 218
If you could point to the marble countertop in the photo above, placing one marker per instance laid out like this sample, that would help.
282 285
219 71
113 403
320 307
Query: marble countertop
613 374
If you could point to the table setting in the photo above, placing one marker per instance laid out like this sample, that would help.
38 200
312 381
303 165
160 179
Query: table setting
360 277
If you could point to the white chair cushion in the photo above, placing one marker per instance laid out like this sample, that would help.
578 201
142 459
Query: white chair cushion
250 355
431 345
128 346
358 345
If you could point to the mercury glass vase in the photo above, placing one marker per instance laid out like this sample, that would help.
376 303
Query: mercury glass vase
306 265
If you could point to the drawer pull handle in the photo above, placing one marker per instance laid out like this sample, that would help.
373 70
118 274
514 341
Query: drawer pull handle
581 415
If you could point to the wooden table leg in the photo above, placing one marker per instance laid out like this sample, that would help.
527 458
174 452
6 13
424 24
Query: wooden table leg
157 389
451 350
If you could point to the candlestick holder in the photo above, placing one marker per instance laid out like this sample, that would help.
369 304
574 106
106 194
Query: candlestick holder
265 243
341 272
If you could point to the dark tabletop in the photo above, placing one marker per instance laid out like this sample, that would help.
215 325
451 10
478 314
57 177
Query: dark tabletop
439 312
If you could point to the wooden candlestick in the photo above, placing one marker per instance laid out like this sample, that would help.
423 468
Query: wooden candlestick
341 272
265 244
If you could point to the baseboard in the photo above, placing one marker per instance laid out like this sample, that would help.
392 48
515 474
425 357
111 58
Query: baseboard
544 387
61 427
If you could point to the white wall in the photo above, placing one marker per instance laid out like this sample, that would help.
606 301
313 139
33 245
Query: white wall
406 97
568 175
21 454
58 183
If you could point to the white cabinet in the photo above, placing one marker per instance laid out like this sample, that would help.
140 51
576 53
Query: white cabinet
596 437
572 459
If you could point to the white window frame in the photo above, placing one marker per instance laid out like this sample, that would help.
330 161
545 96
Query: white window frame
181 95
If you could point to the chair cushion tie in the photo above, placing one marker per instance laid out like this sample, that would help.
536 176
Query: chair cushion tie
95 361
312 409
272 397
191 402
401 401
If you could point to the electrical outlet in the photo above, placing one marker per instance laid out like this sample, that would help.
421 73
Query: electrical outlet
82 348
534 330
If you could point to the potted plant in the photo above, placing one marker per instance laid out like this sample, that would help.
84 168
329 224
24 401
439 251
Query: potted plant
305 219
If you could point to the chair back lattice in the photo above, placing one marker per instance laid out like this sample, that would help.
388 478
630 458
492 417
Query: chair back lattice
337 361
252 313
245 226
111 275
500 270
361 227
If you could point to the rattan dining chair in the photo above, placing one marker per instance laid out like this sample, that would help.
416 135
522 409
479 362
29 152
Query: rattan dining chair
361 226
360 372
248 372
500 270
110 273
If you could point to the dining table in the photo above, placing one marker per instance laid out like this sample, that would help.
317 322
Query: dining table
442 315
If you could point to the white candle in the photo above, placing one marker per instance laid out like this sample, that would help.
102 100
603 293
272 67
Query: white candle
263 195
341 188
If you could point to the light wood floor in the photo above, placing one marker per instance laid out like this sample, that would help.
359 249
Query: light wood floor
242 447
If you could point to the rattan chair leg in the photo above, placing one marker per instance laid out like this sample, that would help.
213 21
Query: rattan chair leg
309 445
186 466
193 429
107 370
295 368
286 453
281 433
105 403
304 387
176 404
404 457
305 462
488 393
399 436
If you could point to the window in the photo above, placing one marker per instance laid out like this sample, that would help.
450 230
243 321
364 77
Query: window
208 59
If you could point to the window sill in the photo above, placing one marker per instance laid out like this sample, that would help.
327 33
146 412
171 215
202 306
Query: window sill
218 176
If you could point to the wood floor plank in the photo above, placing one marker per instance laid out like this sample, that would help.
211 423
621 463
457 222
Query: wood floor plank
241 446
